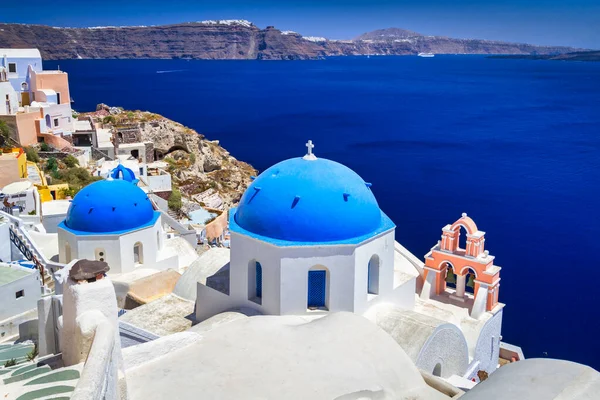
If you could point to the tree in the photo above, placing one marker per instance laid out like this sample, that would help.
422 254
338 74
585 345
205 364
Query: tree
52 165
45 147
32 155
70 161
174 201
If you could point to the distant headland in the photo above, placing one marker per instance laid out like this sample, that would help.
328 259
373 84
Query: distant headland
573 56
240 40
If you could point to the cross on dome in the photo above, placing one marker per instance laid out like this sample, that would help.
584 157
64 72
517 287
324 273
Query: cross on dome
310 155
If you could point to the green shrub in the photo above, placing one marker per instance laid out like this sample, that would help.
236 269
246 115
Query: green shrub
4 130
52 164
109 119
32 155
76 177
33 353
174 201
10 363
69 192
45 147
192 158
70 161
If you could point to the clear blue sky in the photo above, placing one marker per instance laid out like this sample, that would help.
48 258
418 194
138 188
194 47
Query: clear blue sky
558 22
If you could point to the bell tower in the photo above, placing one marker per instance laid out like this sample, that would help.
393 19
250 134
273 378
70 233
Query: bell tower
463 274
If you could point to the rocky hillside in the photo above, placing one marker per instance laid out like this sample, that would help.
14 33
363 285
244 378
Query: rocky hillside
195 163
238 40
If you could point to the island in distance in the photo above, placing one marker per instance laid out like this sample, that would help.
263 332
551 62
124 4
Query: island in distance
240 39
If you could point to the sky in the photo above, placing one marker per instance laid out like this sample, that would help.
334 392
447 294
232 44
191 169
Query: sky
547 22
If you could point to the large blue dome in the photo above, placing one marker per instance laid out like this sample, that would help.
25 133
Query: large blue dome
109 206
313 201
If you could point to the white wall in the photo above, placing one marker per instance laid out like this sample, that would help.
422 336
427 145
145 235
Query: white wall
159 183
30 284
285 274
7 89
118 249
5 243
61 112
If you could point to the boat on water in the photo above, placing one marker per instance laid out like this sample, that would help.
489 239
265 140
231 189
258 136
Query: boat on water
429 55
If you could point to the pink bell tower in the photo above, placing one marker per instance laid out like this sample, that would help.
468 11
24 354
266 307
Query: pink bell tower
472 267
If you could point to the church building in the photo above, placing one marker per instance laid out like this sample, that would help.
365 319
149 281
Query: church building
114 221
308 237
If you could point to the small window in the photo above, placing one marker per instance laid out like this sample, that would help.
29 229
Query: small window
20 293
57 98
12 67
55 121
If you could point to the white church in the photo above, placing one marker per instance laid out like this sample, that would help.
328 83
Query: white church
308 238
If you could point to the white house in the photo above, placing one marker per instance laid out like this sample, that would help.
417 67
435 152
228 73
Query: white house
17 62
20 289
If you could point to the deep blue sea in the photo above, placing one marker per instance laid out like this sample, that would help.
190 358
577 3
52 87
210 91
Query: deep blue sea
514 143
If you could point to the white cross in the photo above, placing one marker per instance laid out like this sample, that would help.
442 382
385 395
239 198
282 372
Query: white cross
310 155
310 146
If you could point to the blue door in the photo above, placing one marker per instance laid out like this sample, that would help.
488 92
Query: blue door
317 287
258 280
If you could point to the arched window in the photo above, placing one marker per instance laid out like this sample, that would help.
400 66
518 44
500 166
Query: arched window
318 288
255 282
67 253
100 254
48 121
24 86
373 275
450 276
138 253
470 281
437 370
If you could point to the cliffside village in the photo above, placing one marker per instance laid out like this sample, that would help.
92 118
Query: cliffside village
299 291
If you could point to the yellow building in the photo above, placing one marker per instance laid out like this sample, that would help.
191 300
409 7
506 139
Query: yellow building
13 166
47 192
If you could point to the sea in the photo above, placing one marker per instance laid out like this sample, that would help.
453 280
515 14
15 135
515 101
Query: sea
513 143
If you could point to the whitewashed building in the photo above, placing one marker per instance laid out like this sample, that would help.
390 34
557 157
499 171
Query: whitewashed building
114 221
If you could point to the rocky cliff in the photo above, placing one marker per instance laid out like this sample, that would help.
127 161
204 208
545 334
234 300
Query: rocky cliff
238 40
196 164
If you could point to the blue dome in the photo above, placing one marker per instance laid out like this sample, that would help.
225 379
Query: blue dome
309 201
109 206
124 173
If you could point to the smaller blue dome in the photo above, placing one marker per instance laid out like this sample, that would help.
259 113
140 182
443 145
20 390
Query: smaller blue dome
110 206
124 173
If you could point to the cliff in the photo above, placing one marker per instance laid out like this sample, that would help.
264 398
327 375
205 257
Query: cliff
196 164
233 39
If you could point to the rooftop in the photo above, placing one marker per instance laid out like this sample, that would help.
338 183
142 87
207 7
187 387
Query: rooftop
20 53
10 274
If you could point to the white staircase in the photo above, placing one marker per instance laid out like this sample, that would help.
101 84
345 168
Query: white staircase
27 246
